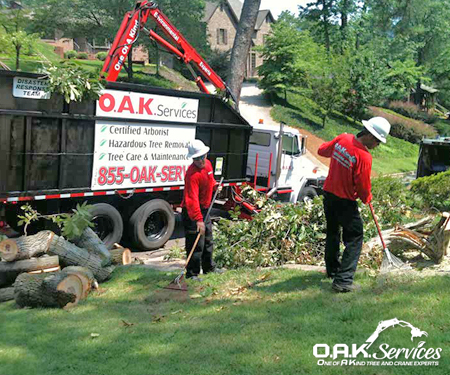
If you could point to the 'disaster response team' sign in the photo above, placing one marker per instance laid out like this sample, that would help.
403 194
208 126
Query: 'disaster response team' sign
131 155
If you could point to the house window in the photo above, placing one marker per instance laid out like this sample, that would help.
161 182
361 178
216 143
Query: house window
253 63
222 37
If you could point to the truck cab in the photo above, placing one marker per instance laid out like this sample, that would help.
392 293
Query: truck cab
434 156
288 170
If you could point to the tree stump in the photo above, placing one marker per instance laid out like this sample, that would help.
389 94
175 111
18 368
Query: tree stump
92 243
44 290
71 255
85 275
25 247
6 294
10 270
120 255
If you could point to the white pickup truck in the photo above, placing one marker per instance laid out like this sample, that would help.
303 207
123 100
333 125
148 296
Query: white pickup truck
285 171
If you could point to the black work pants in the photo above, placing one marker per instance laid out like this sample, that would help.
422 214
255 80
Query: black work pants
342 213
202 256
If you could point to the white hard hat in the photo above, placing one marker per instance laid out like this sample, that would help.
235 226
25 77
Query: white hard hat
379 127
197 148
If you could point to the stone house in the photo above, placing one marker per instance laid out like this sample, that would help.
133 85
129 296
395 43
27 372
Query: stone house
222 19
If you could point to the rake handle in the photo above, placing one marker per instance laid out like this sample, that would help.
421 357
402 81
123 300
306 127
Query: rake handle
376 223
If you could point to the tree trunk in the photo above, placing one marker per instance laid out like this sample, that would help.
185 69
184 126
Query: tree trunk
25 247
326 26
92 243
6 294
241 46
85 275
71 255
10 270
120 255
17 57
55 290
130 64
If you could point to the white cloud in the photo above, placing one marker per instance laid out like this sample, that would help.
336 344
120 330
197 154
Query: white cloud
276 7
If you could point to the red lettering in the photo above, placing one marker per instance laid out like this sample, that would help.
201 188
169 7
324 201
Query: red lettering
126 105
111 102
143 175
151 174
178 174
171 173
145 106
134 175
164 175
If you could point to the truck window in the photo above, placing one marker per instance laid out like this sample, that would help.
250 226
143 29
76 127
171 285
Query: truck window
260 139
290 145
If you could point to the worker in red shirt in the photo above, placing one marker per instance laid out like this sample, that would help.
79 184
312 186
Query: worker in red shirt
348 179
198 190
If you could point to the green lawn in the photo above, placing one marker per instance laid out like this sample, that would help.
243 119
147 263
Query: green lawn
225 327
394 157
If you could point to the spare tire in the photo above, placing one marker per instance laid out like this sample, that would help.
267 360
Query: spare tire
152 224
108 223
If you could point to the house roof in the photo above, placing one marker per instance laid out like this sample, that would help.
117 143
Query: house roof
429 89
236 11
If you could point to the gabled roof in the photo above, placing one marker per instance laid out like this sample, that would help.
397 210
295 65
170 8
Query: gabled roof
236 11
262 15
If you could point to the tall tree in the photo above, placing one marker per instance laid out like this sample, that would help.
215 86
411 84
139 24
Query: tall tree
241 46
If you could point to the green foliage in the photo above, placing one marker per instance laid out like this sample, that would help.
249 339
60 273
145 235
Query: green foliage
291 58
434 191
413 111
101 56
72 54
219 61
72 224
443 128
82 56
74 83
402 77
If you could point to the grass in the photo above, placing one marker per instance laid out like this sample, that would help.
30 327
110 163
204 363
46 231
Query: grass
225 327
393 157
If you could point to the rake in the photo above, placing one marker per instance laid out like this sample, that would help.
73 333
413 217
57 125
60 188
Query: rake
390 262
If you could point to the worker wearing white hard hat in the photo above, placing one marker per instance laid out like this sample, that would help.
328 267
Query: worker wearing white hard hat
348 180
198 191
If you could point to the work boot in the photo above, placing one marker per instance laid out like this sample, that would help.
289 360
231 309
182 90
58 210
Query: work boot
216 270
195 278
342 288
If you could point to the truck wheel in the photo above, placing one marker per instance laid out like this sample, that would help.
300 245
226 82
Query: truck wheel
152 224
306 194
108 223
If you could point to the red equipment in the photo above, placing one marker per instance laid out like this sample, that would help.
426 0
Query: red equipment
133 23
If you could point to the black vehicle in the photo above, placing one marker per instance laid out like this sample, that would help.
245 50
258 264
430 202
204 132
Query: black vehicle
49 151
434 156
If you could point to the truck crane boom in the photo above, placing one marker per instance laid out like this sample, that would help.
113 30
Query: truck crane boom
133 24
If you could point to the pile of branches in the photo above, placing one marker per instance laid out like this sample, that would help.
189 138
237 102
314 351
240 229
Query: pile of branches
47 270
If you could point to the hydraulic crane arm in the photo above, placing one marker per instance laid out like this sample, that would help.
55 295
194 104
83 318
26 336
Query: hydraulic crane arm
134 22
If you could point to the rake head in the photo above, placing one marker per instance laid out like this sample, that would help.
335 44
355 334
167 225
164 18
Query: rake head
392 263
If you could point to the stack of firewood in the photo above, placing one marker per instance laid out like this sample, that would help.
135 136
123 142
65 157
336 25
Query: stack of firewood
46 270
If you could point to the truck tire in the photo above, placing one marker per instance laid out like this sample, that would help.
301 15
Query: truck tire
306 194
152 224
108 223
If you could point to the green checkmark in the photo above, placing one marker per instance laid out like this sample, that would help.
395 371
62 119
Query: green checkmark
104 128
102 142
101 156
183 105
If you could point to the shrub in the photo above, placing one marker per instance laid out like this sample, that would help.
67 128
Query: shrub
434 191
101 56
412 110
405 128
82 56
443 128
70 54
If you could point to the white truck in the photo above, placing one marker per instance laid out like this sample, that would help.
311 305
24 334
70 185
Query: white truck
284 172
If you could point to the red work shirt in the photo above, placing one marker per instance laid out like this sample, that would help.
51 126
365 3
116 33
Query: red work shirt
350 168
198 188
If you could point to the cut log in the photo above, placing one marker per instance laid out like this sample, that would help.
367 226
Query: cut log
47 290
25 247
6 294
10 270
432 242
92 243
120 255
85 275
71 255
